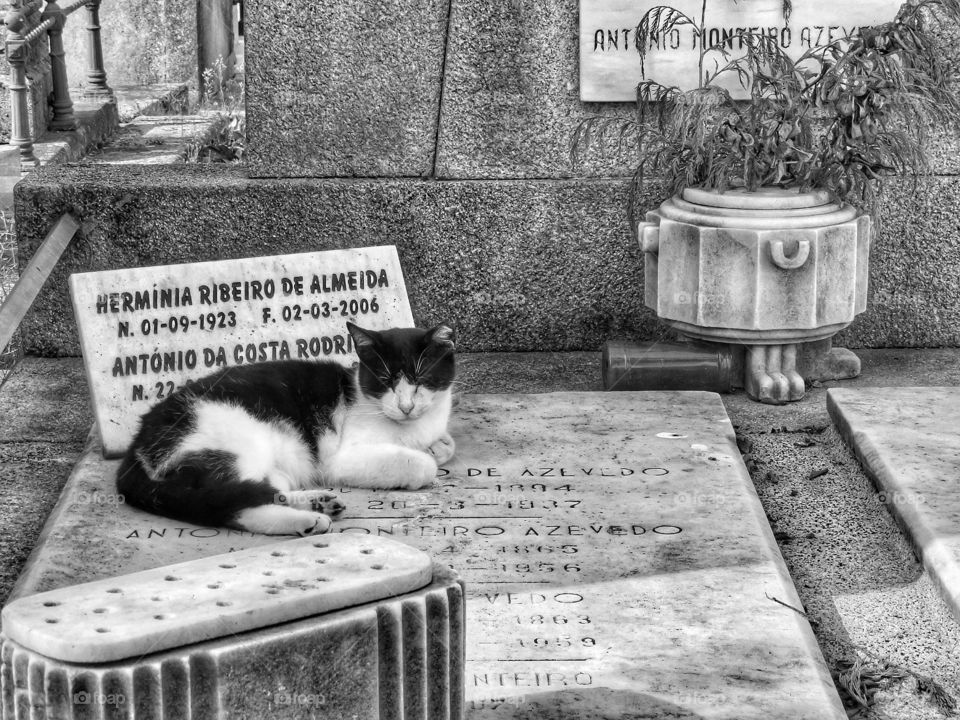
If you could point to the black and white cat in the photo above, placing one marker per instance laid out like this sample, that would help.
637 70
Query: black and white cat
247 447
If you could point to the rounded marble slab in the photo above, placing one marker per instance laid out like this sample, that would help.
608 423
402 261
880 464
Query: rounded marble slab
144 612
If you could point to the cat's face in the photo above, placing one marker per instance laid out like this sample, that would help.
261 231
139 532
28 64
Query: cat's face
404 369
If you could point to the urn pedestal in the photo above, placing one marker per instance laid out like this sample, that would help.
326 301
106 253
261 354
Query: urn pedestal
769 270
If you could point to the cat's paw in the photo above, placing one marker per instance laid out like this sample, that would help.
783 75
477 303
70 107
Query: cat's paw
320 524
416 470
442 449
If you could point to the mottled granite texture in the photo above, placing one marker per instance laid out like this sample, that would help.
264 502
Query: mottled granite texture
518 265
615 556
906 440
343 89
341 665
511 95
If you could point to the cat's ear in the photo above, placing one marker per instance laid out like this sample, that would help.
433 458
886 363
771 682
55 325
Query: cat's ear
443 335
361 338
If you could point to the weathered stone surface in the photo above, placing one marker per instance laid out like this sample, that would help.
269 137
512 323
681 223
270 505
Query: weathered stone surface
913 298
511 99
161 608
519 265
342 664
907 442
147 331
612 543
343 89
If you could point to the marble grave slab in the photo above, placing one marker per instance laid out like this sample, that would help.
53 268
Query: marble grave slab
616 558
907 440
146 331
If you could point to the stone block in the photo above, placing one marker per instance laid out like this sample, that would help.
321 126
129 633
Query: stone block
343 89
524 265
511 98
344 664
906 442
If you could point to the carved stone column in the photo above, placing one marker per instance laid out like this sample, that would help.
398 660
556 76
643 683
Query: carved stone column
16 49
63 117
96 75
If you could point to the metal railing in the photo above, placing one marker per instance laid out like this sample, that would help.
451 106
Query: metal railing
23 31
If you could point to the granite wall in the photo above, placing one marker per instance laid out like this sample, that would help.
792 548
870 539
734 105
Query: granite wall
444 127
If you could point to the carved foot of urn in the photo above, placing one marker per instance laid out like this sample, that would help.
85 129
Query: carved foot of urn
771 374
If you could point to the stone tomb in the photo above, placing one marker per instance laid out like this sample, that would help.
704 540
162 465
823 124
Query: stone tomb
146 331
907 441
616 558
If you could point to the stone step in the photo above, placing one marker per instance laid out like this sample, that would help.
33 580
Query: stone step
157 140
906 439
616 557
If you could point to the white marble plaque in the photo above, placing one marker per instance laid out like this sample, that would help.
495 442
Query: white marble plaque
907 440
617 561
610 64
146 331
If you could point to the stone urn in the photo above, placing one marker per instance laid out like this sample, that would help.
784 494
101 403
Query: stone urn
768 270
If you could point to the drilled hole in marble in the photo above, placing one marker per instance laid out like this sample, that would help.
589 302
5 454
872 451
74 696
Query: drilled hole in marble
321 561
223 603
99 611
52 621
171 578
214 586
376 567
268 572
321 544
272 591
103 630
368 551
114 590
277 553
50 603
227 567
156 598
159 617
323 579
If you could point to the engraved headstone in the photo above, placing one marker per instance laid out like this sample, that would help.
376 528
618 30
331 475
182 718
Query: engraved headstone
610 64
616 558
146 331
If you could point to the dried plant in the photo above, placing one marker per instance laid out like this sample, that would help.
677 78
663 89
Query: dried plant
838 117
863 675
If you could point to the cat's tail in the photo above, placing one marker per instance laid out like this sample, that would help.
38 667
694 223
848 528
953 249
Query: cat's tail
202 488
